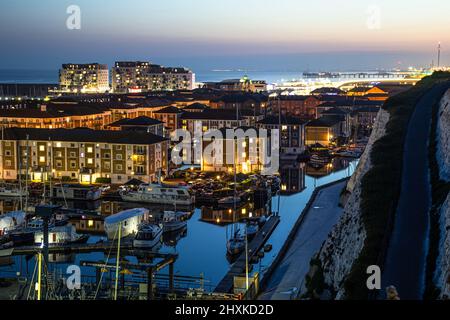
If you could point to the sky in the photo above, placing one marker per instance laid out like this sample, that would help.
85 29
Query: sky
220 34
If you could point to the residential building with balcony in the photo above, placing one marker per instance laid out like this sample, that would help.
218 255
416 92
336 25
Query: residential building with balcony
82 154
84 78
244 149
291 130
138 76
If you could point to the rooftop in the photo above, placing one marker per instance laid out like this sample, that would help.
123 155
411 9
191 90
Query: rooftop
83 135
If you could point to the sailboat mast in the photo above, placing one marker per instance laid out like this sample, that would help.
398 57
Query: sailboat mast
117 261
26 174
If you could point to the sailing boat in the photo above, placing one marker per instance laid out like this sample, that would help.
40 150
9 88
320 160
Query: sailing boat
237 243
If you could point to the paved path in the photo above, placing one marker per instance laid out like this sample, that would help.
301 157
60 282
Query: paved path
406 255
317 224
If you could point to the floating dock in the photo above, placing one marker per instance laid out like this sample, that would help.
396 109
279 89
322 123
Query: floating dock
238 267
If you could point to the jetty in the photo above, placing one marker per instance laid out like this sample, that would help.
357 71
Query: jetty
238 267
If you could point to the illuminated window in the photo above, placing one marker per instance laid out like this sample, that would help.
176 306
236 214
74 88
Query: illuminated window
90 150
41 148
284 128
41 159
58 144
90 223
90 161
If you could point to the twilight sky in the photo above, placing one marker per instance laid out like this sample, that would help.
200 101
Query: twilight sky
212 34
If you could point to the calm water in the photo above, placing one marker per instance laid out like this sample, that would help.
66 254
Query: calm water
202 250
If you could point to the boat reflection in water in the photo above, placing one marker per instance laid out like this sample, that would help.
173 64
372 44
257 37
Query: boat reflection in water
335 165
171 239
225 216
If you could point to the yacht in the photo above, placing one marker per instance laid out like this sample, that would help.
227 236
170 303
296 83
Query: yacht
173 221
148 235
159 194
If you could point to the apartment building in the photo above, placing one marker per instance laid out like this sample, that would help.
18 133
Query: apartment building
292 132
138 76
82 154
84 78
245 149
211 119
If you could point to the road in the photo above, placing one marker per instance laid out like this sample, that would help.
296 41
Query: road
289 276
405 262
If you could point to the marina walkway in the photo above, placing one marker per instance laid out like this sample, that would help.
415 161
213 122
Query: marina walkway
289 274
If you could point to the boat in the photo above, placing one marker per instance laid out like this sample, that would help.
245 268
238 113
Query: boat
60 236
6 250
236 244
159 194
70 191
21 237
128 219
252 229
317 160
229 200
148 235
173 221
11 221
12 192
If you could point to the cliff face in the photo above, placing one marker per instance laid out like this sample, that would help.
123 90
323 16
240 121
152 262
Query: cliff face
443 136
346 240
443 267
442 278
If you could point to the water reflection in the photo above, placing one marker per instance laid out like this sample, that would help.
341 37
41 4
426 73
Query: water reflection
225 216
337 164
292 179
201 246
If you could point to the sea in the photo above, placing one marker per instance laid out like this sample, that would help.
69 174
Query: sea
51 76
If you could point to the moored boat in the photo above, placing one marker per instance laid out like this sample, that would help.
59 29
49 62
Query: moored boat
129 220
148 235
236 244
173 221
159 194
60 236
70 191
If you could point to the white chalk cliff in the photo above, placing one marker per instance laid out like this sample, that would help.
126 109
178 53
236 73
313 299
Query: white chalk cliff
346 240
442 276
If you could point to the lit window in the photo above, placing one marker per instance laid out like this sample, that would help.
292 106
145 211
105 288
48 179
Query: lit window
90 223
90 161
90 150
58 144
41 148
41 159
284 128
